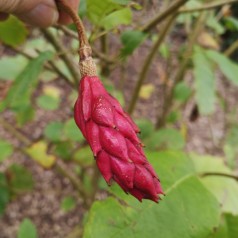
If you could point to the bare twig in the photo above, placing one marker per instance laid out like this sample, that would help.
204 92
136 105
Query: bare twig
161 16
65 57
231 49
208 6
147 63
180 73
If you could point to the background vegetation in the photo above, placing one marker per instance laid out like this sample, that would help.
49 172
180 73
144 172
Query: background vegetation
173 65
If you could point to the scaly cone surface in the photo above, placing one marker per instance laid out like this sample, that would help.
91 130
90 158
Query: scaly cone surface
112 136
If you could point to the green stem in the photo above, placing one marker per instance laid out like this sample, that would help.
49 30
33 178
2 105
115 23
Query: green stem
208 6
59 163
16 133
65 57
161 16
220 174
161 120
231 49
148 62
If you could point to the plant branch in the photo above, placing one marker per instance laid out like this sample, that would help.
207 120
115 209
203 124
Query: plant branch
219 174
161 16
63 169
231 49
59 163
17 134
181 71
51 66
65 57
148 62
99 54
208 6
63 6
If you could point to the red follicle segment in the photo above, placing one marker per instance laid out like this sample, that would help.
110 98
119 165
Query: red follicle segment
112 136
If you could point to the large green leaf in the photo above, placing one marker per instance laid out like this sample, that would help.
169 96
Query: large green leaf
19 95
228 227
166 138
12 31
171 166
228 67
189 210
225 189
205 90
27 229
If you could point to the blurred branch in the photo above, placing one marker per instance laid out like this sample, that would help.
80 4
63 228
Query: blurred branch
59 163
148 62
99 54
161 16
231 49
63 169
65 57
219 174
17 134
161 120
208 6
50 65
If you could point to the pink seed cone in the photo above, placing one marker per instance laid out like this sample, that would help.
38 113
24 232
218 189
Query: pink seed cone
112 136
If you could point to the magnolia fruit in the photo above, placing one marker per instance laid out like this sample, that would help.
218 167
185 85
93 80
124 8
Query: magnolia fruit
112 136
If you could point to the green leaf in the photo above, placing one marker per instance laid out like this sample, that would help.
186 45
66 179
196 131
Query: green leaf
97 10
27 229
68 203
228 227
182 208
225 189
228 67
12 31
131 40
230 146
53 131
38 152
182 92
205 90
25 114
122 2
20 179
4 193
117 18
64 149
84 156
12 66
48 102
72 132
166 138
171 166
213 23
231 23
146 128
5 150
232 225
20 93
